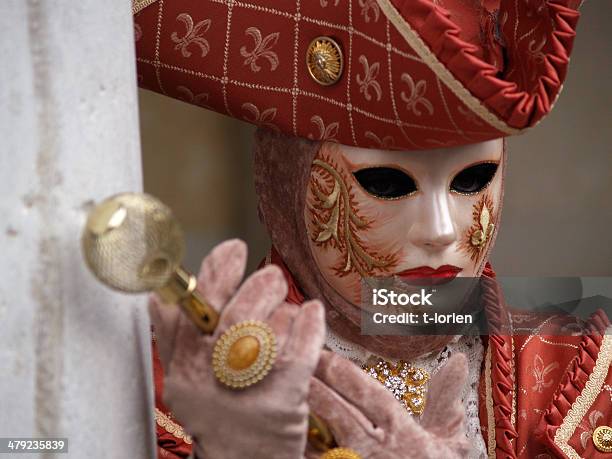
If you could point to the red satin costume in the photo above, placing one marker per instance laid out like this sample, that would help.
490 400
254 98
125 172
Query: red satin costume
540 396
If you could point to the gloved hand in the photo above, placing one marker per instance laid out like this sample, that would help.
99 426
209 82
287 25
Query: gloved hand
269 419
365 417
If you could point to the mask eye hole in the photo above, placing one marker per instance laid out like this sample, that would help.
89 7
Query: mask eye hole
474 179
385 182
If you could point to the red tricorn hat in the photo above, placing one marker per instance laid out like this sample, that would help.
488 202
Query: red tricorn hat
397 74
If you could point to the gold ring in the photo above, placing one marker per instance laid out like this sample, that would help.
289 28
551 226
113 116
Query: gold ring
340 453
244 354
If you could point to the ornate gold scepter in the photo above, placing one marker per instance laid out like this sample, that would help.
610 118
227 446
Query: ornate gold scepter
133 243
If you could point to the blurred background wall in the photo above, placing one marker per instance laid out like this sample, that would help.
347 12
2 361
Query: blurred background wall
557 219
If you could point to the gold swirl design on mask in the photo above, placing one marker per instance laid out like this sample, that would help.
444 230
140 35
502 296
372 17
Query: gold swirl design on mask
336 222
481 231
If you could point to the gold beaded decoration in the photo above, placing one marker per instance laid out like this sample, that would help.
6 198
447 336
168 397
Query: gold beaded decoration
602 438
324 61
340 453
407 383
244 354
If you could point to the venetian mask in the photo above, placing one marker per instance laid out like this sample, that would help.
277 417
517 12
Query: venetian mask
414 214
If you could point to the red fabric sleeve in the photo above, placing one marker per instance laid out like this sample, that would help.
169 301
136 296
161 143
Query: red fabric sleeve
172 441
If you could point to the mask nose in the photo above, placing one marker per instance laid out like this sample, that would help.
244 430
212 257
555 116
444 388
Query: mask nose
434 229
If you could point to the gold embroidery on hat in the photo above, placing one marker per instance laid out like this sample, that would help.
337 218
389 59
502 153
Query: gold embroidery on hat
263 48
188 96
261 118
139 5
407 383
366 7
386 143
324 61
369 79
426 55
137 32
416 96
327 133
193 36
469 115
335 222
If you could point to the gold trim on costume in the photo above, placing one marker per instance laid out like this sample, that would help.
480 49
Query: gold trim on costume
139 5
586 398
171 427
491 444
430 59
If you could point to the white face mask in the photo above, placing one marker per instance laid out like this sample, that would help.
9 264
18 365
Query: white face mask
416 214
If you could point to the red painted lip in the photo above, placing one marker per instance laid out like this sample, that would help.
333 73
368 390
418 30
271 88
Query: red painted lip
429 275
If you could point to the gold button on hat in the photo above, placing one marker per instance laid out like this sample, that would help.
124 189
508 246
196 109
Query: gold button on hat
244 354
602 438
324 61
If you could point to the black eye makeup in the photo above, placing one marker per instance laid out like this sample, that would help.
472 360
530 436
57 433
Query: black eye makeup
385 182
474 179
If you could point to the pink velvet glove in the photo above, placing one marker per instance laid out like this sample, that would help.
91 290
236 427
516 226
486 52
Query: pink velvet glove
364 416
268 419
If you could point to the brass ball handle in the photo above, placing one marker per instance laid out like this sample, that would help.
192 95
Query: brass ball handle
182 290
132 243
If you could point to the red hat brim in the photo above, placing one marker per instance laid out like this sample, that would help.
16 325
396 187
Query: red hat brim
415 75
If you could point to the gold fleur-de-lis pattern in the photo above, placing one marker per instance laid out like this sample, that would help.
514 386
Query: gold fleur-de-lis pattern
477 237
369 10
262 118
392 82
588 426
327 133
193 36
262 49
414 96
540 373
188 96
368 82
546 379
386 143
137 32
